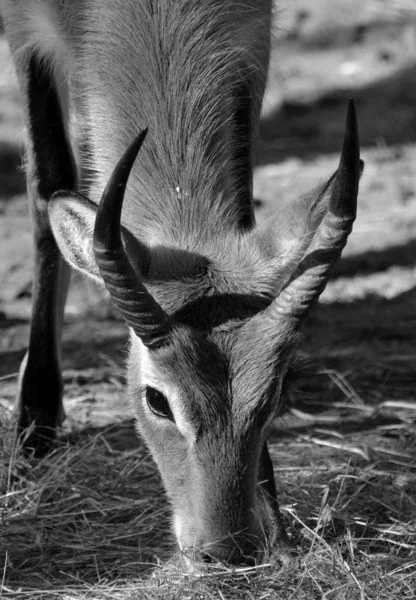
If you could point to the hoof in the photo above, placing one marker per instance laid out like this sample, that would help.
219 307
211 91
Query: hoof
39 408
36 441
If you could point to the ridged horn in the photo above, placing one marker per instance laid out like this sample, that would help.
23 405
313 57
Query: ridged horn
311 276
138 307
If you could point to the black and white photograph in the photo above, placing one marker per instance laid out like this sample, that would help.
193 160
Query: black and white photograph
208 299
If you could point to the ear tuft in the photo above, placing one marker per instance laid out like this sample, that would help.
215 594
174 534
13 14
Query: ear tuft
72 218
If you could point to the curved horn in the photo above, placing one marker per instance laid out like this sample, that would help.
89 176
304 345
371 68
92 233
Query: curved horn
140 310
313 271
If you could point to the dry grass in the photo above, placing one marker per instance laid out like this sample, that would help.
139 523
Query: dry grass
91 520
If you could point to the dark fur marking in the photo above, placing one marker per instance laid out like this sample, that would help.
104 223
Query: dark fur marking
55 166
209 312
242 157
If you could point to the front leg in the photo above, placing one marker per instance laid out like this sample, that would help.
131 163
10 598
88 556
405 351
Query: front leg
50 167
40 386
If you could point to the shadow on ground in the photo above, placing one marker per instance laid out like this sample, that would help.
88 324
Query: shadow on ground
386 113
376 261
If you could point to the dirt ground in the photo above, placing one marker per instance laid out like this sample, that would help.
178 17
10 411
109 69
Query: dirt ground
351 421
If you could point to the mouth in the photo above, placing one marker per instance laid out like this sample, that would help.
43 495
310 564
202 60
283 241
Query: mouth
189 563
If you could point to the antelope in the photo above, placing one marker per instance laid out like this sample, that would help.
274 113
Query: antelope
165 222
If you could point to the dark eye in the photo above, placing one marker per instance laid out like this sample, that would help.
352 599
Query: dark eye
158 403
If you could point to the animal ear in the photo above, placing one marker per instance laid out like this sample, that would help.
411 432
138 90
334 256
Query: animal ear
286 235
72 218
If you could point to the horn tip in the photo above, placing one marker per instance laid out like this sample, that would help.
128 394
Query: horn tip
344 199
137 143
351 121
351 103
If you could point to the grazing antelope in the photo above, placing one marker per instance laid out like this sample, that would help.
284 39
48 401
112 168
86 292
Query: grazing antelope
213 303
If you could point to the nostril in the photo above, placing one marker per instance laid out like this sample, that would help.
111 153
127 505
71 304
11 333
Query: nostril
206 558
231 550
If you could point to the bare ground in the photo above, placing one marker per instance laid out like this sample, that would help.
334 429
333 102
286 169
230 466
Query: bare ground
91 521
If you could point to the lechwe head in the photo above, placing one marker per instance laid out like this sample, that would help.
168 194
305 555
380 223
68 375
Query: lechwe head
213 323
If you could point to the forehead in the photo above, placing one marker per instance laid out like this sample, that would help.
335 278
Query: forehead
196 364
229 281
